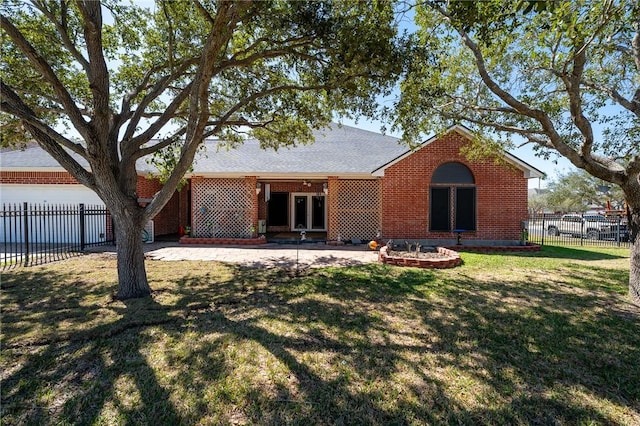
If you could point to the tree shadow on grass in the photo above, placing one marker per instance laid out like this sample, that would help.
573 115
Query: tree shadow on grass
558 252
365 345
545 349
70 366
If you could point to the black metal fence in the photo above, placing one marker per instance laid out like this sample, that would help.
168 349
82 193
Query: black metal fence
36 234
578 230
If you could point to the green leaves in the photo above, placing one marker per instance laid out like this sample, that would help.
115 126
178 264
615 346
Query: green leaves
559 74
577 190
283 62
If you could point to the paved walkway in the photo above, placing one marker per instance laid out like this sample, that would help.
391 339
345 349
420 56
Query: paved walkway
262 256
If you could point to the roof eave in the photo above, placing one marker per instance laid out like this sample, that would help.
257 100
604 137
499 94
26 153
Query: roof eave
280 176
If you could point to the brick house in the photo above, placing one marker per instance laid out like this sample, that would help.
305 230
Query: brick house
349 184
32 176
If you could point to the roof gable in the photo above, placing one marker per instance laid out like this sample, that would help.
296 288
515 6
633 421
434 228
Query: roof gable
528 170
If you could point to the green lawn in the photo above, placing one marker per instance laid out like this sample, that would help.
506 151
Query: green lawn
544 338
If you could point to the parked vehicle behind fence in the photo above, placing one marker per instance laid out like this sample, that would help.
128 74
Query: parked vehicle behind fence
593 227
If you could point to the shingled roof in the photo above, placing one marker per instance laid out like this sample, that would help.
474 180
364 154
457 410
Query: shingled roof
341 151
338 150
33 158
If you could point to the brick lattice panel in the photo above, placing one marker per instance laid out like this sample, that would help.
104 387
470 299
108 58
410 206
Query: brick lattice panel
222 208
358 210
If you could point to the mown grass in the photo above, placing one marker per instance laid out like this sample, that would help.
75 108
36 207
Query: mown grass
545 338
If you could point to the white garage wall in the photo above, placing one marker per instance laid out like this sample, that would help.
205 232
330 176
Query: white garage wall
45 224
48 194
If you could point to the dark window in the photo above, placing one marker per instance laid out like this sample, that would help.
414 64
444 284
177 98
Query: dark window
300 212
440 220
278 213
317 214
452 173
453 178
465 209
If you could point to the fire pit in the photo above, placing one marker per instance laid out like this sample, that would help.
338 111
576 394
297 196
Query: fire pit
437 257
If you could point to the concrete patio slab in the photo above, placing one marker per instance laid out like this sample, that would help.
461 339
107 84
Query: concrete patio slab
261 256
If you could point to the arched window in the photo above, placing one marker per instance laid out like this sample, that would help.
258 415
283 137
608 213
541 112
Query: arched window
453 196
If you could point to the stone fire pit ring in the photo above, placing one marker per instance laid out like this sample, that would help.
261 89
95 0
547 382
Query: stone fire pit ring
447 259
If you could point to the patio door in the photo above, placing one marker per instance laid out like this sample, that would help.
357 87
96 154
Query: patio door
309 212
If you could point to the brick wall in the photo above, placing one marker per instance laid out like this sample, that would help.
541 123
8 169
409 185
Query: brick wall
166 222
38 178
501 194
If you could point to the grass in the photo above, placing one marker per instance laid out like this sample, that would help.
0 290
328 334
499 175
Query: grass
545 338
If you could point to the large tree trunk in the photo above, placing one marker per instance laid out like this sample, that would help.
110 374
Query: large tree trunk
634 267
631 190
132 276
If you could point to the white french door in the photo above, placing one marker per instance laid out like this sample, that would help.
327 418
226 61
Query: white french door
308 212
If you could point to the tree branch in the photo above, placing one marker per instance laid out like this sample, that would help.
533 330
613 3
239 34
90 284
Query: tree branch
98 74
157 125
49 75
63 29
159 145
61 156
204 12
614 95
572 83
224 119
12 104
158 88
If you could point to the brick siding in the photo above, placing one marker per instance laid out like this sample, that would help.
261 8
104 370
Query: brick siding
501 194
39 178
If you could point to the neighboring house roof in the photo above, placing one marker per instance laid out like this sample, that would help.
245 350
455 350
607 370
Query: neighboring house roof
528 169
337 151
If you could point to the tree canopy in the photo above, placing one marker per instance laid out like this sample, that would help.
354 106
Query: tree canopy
131 82
578 191
564 78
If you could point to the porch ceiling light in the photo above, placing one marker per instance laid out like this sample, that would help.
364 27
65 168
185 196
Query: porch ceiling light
325 188
258 188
